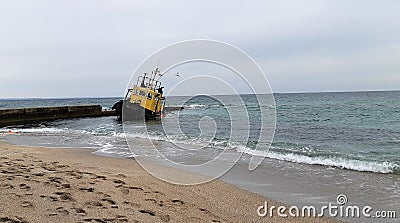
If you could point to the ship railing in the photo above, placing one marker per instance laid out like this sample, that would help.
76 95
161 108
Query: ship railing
149 83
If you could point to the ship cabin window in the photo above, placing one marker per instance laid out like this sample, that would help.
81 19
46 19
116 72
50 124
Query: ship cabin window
135 92
149 95
142 93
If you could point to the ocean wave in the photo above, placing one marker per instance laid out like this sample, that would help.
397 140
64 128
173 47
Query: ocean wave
194 106
181 140
36 130
52 130
339 162
304 155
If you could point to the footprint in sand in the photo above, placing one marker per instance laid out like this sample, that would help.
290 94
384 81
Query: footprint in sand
40 174
135 205
75 174
177 202
56 180
26 204
101 177
209 213
64 196
124 190
93 204
6 186
66 185
62 211
109 201
10 171
151 200
116 219
118 181
204 210
147 212
24 187
133 188
15 219
88 189
53 198
80 211
49 168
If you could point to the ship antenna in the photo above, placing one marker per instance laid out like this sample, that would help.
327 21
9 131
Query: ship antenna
156 74
158 63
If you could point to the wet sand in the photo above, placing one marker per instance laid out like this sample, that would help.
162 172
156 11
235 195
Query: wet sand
73 185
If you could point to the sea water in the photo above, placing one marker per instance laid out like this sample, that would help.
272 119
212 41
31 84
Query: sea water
325 144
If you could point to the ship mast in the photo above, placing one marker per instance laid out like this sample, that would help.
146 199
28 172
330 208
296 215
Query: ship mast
154 74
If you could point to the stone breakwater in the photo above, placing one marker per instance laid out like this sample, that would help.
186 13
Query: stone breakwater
18 116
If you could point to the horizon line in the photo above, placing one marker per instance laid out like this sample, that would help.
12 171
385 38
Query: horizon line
103 97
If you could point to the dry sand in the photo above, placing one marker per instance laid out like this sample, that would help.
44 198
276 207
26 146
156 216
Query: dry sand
73 185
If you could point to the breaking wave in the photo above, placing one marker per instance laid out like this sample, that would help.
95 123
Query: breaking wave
339 162
302 156
194 106
332 161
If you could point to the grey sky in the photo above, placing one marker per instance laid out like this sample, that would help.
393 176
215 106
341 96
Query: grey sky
92 47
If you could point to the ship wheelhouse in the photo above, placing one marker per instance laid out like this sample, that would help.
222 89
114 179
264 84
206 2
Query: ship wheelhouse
148 93
145 99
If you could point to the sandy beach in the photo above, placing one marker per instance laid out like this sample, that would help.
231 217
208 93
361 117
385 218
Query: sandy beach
73 185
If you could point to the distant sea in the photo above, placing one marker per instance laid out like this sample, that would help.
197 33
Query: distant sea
318 135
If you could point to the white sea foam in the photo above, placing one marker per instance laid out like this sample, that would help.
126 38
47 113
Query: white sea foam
37 130
343 163
51 130
194 106
181 141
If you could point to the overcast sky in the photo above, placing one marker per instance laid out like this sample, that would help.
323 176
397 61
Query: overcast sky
91 48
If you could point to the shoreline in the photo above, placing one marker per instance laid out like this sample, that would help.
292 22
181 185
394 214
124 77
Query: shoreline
46 185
